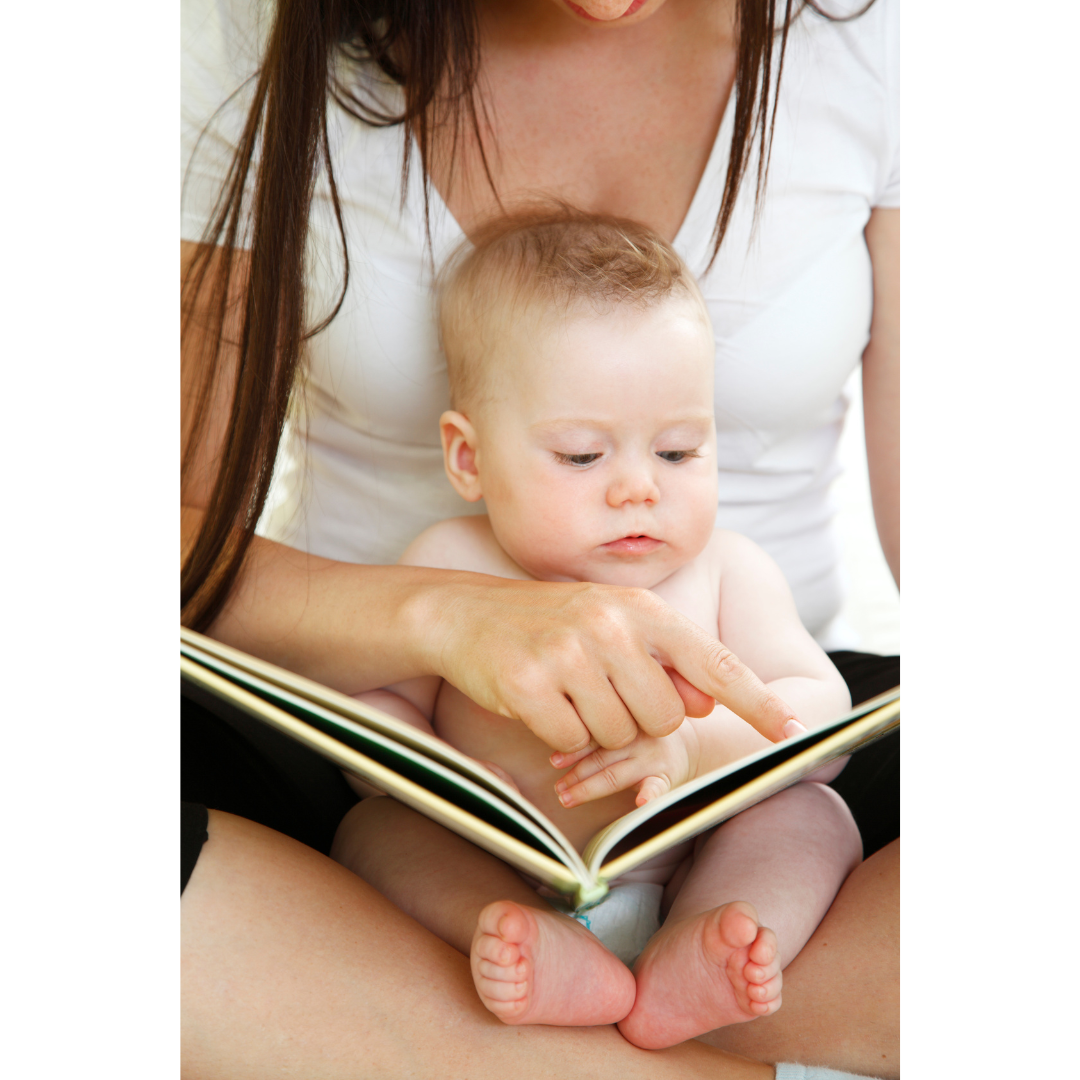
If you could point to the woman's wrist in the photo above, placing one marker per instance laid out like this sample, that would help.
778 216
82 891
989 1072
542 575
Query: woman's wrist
424 618
348 626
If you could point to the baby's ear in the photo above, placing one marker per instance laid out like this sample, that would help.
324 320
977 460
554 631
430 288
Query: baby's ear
459 454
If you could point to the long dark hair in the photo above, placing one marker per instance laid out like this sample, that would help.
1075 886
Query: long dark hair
431 49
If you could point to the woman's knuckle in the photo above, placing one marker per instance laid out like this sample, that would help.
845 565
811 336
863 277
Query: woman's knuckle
722 660
568 652
520 685
607 619
631 602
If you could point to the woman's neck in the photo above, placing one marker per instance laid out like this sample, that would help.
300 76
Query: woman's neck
617 120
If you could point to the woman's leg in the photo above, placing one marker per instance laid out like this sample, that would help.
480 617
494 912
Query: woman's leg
842 992
293 966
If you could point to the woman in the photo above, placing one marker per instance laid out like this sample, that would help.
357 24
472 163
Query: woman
660 112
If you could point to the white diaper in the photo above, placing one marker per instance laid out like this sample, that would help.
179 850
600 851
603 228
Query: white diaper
625 919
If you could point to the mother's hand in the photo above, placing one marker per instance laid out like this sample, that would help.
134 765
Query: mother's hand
581 663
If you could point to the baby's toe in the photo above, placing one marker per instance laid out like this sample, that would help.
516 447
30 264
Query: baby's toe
505 1010
503 992
765 1008
766 991
762 973
738 925
502 973
763 951
505 920
496 951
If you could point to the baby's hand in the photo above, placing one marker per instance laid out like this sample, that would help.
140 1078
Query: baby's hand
653 765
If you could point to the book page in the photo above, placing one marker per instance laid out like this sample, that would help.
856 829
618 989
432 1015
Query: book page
274 705
708 800
351 715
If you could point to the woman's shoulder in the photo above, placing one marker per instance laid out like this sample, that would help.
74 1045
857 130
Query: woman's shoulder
855 22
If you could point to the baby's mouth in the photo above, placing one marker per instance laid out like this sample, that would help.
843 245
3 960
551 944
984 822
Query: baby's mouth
633 545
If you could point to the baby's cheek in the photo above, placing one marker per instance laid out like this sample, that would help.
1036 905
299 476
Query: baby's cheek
694 522
545 540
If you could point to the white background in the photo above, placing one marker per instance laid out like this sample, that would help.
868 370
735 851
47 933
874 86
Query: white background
89 193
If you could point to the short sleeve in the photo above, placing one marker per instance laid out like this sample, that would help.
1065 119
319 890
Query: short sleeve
888 195
814 1072
220 43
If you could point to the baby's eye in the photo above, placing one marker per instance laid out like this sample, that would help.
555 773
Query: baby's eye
676 456
579 460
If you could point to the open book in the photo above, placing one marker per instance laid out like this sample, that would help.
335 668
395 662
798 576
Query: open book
435 779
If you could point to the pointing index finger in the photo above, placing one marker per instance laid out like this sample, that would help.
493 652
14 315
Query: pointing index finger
715 670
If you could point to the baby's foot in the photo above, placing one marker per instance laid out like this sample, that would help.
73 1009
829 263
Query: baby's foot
539 967
702 973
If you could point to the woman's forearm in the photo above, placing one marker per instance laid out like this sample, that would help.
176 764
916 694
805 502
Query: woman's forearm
348 626
576 662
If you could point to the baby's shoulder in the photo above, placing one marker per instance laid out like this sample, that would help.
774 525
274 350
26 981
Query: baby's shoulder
742 568
463 543
726 546
733 554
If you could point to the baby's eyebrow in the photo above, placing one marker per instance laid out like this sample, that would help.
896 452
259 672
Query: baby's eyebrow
571 424
575 423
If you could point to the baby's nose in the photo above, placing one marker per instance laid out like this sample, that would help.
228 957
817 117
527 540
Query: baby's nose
633 486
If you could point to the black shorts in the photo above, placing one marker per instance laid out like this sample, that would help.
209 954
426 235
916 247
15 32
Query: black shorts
230 762
193 819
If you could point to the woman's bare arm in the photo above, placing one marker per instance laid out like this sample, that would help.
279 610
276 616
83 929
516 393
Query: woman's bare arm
881 383
572 661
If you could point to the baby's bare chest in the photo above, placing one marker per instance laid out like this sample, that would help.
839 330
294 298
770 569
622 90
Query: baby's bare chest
486 736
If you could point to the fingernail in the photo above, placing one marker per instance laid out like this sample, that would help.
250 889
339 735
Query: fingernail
565 799
561 785
556 759
793 728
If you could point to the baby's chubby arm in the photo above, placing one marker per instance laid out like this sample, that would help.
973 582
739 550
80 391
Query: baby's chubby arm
412 701
758 621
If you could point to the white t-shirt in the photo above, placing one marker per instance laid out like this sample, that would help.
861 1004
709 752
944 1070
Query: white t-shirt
790 305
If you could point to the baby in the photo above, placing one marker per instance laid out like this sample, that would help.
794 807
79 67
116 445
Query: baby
580 358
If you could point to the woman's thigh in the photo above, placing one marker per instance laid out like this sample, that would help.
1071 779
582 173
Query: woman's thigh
293 966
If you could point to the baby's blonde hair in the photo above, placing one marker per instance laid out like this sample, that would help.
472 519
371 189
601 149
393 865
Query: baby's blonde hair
547 261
